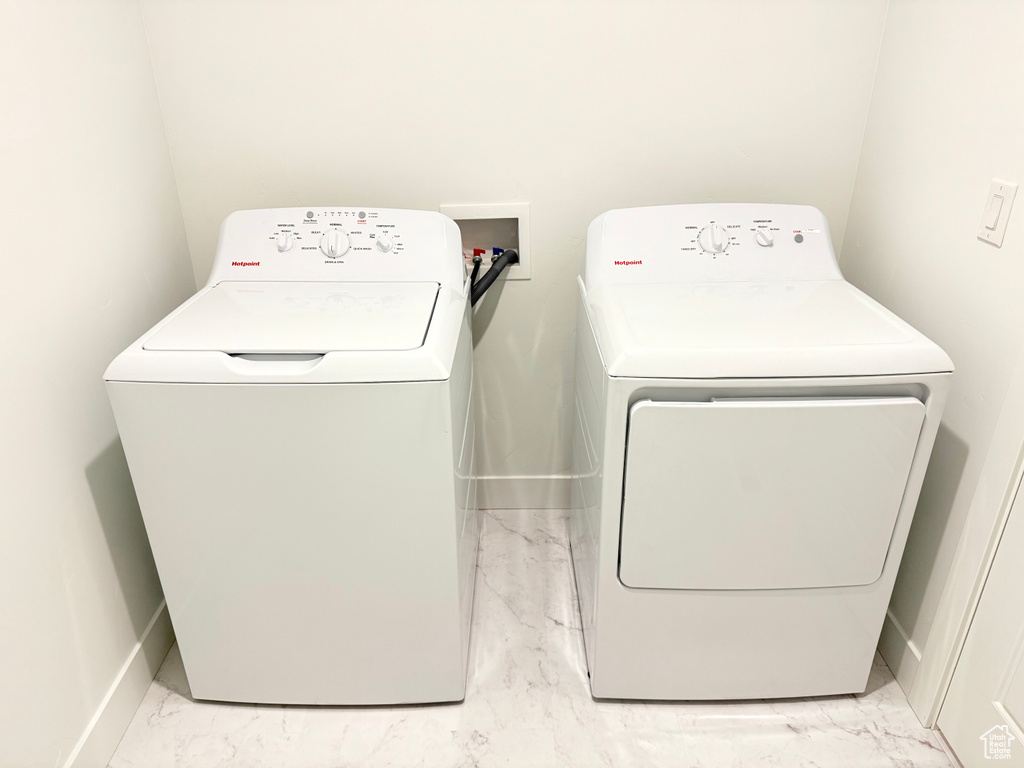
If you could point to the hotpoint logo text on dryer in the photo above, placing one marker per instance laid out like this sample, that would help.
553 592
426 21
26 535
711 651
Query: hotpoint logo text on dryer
628 263
245 263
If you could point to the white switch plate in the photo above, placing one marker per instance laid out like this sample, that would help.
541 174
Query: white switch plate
993 231
518 211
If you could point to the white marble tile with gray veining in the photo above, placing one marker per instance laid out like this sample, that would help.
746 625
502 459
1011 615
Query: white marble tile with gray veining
528 703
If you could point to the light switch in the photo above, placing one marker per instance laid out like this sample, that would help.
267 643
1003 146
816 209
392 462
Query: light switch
995 205
997 212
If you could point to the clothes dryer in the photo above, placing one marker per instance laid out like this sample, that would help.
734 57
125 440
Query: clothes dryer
301 438
751 436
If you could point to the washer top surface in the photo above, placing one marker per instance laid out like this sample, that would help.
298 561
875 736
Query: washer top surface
318 295
754 330
294 317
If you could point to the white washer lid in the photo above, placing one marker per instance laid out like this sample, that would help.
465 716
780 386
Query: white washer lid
294 317
754 330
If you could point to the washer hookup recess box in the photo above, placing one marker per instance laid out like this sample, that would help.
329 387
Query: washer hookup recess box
497 225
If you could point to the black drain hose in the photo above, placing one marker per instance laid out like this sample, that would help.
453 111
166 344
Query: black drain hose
479 288
477 261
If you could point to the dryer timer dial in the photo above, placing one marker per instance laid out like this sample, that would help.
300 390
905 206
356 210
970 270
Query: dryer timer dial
713 239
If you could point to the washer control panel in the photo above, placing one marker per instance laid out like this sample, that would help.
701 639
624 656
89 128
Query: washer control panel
727 242
336 232
338 245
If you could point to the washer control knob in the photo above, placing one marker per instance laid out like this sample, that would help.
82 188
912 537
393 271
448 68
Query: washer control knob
764 237
285 241
384 242
334 242
713 239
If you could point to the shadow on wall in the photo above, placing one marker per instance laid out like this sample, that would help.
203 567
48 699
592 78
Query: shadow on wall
934 509
118 509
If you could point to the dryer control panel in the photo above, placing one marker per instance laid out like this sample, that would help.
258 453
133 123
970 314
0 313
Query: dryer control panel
702 243
339 245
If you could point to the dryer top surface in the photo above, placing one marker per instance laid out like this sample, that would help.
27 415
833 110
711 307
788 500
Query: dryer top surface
754 330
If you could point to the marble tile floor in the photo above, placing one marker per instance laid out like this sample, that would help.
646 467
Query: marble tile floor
528 702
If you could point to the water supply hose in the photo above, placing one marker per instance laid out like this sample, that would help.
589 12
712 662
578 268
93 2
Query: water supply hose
478 289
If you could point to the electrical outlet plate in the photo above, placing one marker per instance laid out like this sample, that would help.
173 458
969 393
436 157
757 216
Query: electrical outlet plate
498 215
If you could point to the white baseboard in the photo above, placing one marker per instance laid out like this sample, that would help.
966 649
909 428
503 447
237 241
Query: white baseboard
523 492
115 712
899 652
954 759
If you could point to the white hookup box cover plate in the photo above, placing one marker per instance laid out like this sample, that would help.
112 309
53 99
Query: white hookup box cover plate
997 212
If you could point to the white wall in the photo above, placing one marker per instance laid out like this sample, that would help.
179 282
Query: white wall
573 107
93 251
945 118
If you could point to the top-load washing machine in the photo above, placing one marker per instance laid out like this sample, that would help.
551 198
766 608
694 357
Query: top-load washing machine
301 438
751 436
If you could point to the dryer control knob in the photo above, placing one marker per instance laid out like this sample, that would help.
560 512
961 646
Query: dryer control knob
384 242
713 239
285 241
334 242
764 237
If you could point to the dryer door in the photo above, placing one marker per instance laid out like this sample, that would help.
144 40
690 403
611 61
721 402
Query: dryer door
764 493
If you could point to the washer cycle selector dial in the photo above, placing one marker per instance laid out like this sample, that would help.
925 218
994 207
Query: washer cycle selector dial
764 237
334 242
285 241
384 242
713 239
